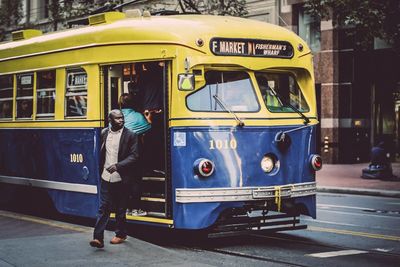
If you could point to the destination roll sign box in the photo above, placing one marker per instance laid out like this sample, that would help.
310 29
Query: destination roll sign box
251 48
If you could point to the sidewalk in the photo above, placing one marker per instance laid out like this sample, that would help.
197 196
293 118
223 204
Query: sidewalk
346 179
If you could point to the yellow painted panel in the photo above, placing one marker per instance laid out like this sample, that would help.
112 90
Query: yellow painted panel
50 124
14 95
248 123
129 40
94 104
59 108
112 54
180 30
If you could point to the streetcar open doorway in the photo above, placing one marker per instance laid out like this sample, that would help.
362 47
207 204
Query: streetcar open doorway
146 85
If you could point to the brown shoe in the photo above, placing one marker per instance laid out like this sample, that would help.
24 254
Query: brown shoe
117 240
96 243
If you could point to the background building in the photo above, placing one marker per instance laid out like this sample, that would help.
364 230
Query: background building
358 91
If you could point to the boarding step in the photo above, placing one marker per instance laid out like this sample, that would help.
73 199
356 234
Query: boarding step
153 205
152 199
153 195
157 214
148 214
154 173
155 189
153 179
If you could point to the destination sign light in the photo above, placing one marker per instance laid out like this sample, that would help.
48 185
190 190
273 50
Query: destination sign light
251 48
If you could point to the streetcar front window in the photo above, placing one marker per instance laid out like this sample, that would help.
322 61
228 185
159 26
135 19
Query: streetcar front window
233 88
281 92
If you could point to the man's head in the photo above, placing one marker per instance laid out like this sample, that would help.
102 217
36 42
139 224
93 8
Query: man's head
116 119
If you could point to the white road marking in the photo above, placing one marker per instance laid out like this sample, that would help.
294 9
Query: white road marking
346 224
344 207
336 253
393 203
359 214
383 249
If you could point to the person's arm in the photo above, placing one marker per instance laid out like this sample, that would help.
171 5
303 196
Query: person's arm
147 116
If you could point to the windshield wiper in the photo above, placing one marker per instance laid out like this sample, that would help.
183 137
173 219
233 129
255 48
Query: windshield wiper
240 123
287 103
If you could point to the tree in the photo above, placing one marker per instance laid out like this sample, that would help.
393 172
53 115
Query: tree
56 15
10 15
365 19
61 11
216 7
10 12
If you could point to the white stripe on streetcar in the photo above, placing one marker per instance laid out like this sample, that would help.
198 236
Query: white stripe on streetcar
73 187
337 253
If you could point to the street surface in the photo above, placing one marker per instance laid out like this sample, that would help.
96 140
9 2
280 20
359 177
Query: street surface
350 230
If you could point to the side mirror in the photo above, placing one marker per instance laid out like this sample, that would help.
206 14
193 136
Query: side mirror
186 82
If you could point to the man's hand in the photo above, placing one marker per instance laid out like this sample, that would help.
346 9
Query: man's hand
112 168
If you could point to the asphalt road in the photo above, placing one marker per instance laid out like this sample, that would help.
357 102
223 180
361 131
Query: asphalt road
350 231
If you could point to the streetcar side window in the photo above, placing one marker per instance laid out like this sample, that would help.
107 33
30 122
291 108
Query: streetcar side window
6 96
280 91
25 96
46 93
232 89
76 93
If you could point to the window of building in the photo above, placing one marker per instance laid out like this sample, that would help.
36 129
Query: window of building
42 9
310 30
280 92
46 93
233 89
25 95
76 93
6 96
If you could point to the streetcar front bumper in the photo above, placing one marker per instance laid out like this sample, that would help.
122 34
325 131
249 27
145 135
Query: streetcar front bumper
194 195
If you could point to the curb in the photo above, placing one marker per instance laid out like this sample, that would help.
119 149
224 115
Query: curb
359 191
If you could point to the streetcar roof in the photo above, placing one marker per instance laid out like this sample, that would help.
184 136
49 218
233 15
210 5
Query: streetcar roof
180 29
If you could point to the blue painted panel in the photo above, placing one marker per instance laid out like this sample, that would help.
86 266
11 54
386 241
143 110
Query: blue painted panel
237 154
45 154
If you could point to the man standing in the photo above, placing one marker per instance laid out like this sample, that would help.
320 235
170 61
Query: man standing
118 156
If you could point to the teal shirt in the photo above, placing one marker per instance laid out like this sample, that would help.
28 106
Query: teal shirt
135 121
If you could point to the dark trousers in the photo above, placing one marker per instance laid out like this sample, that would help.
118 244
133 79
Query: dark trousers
113 197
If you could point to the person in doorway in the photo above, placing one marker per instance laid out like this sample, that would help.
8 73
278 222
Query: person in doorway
150 83
150 93
118 158
136 122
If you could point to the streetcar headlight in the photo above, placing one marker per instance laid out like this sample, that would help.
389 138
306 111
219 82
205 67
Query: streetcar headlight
267 164
203 167
316 162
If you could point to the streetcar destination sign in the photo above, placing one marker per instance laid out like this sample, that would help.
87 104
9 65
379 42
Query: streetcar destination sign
251 48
